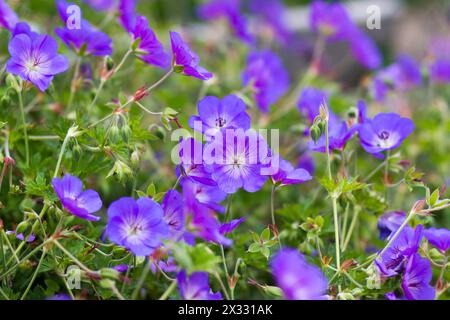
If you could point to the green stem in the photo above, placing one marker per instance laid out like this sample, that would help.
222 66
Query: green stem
72 84
61 154
34 276
141 281
350 230
336 234
4 294
169 290
2 252
13 252
375 171
327 150
72 257
25 131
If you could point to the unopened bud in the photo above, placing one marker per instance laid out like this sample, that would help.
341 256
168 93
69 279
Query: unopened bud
22 227
315 133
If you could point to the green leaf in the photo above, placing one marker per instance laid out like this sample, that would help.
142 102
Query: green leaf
265 235
151 190
254 247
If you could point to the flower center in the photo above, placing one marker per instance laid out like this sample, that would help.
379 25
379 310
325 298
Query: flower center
134 229
384 135
32 65
220 122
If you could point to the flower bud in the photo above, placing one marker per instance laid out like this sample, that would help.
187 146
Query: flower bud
108 273
125 131
315 133
114 133
178 69
135 158
22 227
109 63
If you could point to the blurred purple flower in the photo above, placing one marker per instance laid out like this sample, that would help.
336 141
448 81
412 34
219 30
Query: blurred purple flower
439 55
384 132
137 225
150 50
127 14
196 286
310 101
185 60
364 50
60 296
121 268
440 238
440 71
392 262
230 10
390 222
35 58
168 265
298 279
219 114
403 75
416 279
80 203
287 174
330 19
102 5
228 227
21 237
8 18
306 161
267 75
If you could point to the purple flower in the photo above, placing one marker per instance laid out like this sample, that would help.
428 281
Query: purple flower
228 9
384 132
127 14
440 71
216 115
439 52
416 279
310 101
268 77
272 16
239 162
137 225
196 286
333 21
287 174
84 41
174 214
60 296
121 268
298 279
35 59
306 161
364 50
403 75
191 156
8 18
21 237
205 194
392 262
390 222
185 60
150 50
102 5
330 19
80 203
168 265
228 227
440 238
338 135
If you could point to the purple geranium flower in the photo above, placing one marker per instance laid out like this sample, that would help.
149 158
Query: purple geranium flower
205 194
310 101
228 9
21 237
60 296
80 203
416 279
364 50
149 50
121 268
127 14
440 238
35 58
390 222
84 41
239 162
306 161
196 286
102 5
384 132
137 225
338 135
272 16
267 75
8 18
439 67
403 75
216 115
392 262
191 158
174 214
287 174
186 61
440 71
228 227
330 19
298 279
